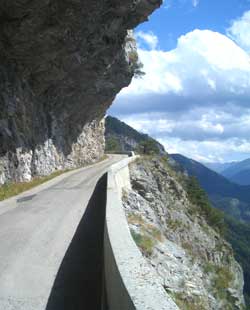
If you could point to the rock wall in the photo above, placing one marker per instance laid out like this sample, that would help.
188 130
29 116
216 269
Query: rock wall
195 264
62 62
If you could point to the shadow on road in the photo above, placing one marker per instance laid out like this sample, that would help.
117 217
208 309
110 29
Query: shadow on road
78 284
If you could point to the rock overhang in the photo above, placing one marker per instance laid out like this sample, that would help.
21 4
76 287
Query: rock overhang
62 64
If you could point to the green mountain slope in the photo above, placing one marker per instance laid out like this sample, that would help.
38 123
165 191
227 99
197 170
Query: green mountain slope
232 198
121 137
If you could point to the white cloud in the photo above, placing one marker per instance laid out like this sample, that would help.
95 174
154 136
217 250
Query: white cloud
204 62
207 135
209 151
195 98
198 124
240 31
148 38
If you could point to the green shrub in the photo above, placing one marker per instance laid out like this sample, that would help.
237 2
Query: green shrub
112 145
209 268
134 218
156 233
187 302
238 235
149 229
223 278
174 224
145 243
136 65
148 147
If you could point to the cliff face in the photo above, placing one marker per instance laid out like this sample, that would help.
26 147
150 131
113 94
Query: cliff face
195 264
62 62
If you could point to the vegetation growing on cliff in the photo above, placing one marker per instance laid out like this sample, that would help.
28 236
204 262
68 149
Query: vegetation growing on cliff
191 303
145 243
198 196
195 263
149 235
238 235
148 147
235 232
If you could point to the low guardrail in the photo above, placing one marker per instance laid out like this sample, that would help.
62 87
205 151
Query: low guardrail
130 282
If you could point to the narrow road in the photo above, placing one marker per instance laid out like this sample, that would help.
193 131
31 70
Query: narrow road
36 230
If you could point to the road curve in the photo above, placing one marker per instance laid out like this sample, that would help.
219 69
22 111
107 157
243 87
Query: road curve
36 229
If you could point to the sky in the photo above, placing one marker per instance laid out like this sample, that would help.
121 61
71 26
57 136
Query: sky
195 95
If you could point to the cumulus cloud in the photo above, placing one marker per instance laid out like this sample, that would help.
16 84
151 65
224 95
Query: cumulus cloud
206 68
195 98
196 125
148 38
239 31
209 150
205 148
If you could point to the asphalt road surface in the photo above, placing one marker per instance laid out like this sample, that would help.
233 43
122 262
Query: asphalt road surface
38 240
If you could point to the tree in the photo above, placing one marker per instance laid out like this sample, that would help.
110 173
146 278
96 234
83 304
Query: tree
199 197
148 147
112 145
136 65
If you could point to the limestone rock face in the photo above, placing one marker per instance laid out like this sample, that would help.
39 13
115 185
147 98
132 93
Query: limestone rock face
195 264
62 62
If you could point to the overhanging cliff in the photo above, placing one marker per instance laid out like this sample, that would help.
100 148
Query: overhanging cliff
62 62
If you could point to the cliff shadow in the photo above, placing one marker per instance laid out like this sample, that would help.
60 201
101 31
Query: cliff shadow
79 281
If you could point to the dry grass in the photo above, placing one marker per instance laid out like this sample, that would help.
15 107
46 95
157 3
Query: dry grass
149 229
13 189
145 243
188 303
155 232
136 219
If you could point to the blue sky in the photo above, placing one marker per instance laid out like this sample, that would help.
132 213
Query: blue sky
195 96
177 17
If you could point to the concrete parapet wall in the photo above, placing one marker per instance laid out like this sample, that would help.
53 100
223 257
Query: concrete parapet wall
129 280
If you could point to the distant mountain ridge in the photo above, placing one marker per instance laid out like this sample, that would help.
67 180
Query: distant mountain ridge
241 177
232 198
218 167
238 172
125 136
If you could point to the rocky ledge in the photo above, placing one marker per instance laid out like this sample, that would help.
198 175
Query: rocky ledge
195 264
62 62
